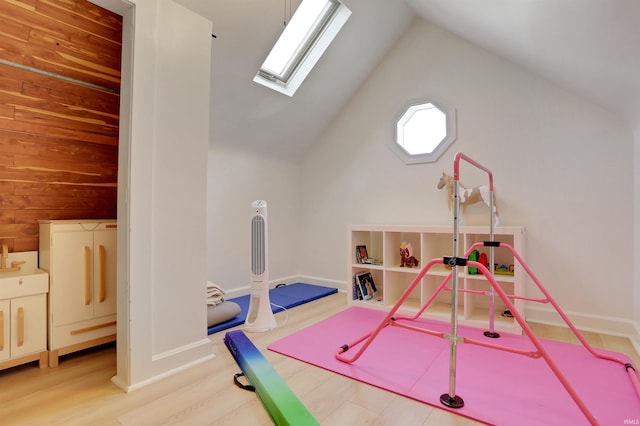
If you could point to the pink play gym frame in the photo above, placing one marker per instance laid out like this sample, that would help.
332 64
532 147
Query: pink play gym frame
450 399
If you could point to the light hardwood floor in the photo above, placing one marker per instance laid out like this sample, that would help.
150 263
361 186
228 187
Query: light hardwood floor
79 391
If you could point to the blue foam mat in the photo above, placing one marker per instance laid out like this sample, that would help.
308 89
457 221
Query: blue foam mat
288 296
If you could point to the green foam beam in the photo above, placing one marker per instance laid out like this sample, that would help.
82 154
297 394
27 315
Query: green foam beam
278 399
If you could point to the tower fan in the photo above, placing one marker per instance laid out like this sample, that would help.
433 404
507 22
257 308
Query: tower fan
260 316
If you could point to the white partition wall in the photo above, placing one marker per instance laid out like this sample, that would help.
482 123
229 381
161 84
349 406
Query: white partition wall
162 190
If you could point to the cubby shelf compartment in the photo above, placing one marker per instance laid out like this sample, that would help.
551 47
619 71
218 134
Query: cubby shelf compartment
432 242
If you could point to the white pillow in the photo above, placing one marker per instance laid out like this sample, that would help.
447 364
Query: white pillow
222 312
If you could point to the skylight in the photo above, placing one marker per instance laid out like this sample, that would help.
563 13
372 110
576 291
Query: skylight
312 28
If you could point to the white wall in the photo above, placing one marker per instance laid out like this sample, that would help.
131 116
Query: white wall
179 178
236 178
636 233
162 190
576 210
563 168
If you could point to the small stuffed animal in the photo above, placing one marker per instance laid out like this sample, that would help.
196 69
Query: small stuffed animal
406 256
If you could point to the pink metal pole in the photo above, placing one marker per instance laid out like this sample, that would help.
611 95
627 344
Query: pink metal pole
536 342
451 399
456 168
527 353
369 337
456 176
633 375
442 286
567 321
631 370
463 290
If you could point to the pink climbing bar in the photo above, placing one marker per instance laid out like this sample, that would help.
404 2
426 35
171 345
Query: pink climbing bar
450 399
456 177
456 167
536 342
630 368
369 337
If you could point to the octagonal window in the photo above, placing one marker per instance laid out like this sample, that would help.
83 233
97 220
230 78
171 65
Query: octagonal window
424 131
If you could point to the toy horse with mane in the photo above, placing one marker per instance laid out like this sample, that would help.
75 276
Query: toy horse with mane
469 195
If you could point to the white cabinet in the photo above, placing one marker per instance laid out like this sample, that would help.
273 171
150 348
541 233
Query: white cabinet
382 244
81 258
23 322
23 314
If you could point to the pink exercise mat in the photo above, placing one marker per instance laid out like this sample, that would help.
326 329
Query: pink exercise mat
497 387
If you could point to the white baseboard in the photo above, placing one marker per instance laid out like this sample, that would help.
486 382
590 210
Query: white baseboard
171 362
130 388
621 327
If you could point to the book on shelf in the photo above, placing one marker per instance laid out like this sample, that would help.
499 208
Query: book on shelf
361 254
356 290
365 286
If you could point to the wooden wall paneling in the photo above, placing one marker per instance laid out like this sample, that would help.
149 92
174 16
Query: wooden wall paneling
76 111
72 38
59 115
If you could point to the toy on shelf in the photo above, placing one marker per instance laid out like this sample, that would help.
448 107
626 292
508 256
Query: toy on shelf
406 255
504 270
473 256
482 258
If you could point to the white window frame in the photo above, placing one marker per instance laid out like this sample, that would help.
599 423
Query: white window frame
439 149
310 49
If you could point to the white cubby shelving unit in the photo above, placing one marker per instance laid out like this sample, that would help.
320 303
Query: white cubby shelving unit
431 242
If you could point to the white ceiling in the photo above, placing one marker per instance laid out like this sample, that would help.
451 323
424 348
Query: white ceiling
591 47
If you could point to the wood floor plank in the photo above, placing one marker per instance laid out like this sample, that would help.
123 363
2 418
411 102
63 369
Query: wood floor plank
80 391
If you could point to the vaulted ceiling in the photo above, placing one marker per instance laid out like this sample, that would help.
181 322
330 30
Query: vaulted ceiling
590 47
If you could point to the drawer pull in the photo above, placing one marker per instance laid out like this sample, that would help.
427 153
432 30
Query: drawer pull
103 269
93 327
1 330
20 326
87 275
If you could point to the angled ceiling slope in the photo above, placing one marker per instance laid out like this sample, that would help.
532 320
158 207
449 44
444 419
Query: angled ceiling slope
588 46
247 115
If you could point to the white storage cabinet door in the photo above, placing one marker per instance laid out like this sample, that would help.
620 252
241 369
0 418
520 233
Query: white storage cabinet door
71 275
105 272
5 330
28 325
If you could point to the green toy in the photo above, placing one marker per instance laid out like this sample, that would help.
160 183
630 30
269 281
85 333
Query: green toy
474 257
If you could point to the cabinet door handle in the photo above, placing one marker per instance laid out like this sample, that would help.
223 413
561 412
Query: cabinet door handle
87 275
103 286
20 326
1 330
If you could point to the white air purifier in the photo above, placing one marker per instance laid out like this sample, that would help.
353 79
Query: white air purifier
260 316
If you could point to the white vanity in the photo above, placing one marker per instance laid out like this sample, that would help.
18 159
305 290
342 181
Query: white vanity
23 310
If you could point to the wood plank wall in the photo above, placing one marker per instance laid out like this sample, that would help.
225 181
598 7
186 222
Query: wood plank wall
59 114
